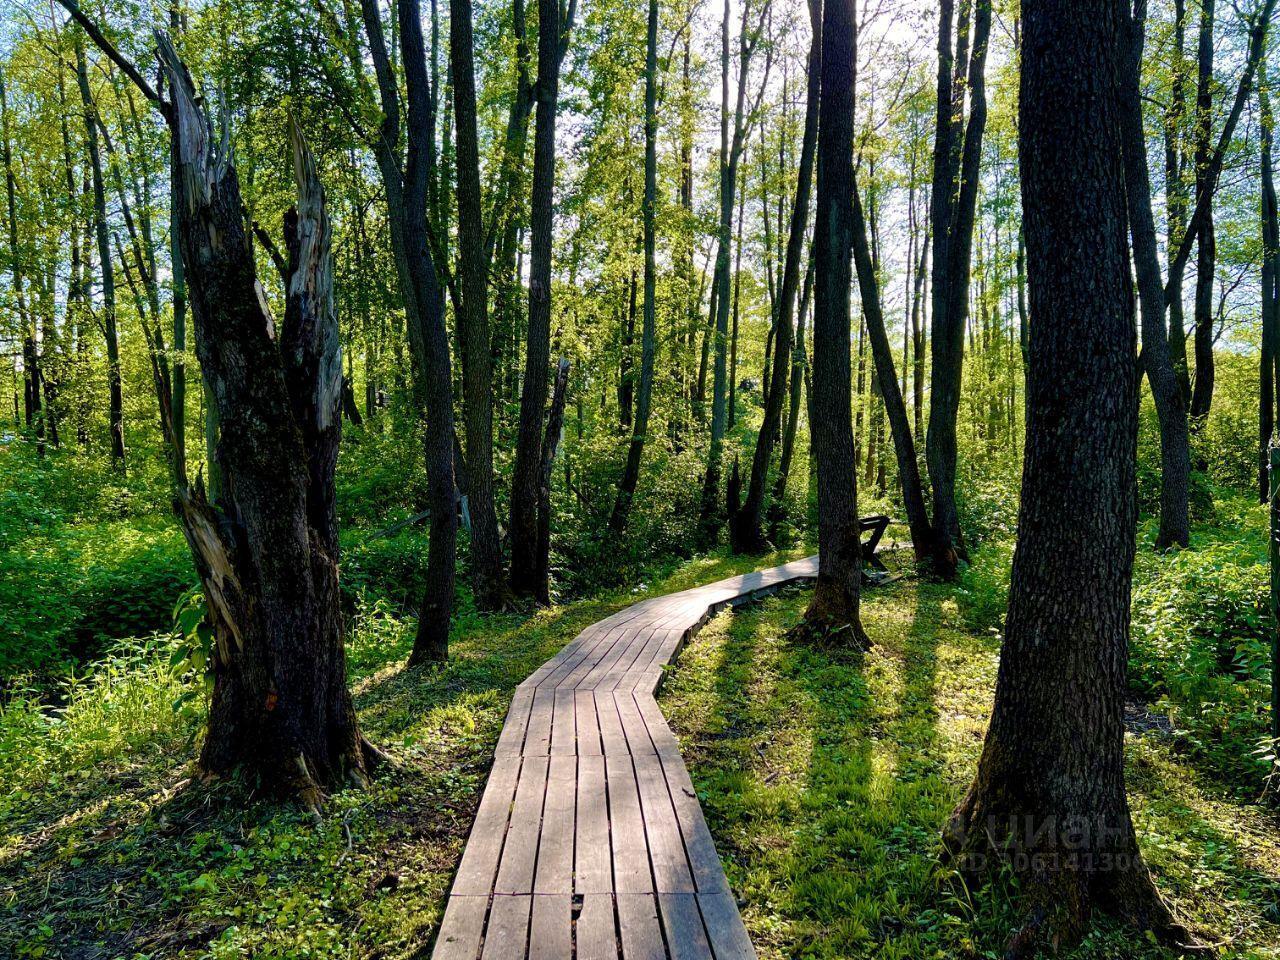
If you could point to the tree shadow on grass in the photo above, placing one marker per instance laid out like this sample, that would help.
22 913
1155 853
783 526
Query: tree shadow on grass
137 858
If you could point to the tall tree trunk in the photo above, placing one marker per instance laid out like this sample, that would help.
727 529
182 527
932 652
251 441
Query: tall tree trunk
115 392
472 318
954 199
732 145
1176 198
1268 380
525 562
550 443
648 334
1049 795
917 339
737 316
1206 240
178 286
833 615
267 553
746 534
1175 451
420 291
31 387
904 446
798 367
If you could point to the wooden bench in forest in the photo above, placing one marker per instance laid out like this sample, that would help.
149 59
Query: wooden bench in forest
589 842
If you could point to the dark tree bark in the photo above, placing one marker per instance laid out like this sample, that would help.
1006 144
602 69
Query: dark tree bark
267 551
31 387
1267 372
1049 795
472 318
746 534
917 340
550 443
736 318
407 195
833 615
732 146
904 447
115 392
648 334
1175 450
798 367
954 201
1176 198
1206 239
525 562
178 286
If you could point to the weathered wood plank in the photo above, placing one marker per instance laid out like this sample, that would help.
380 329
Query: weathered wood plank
596 934
484 845
507 935
633 725
613 739
728 936
461 928
588 724
555 845
537 738
666 848
564 733
686 938
639 928
515 871
551 933
630 847
593 867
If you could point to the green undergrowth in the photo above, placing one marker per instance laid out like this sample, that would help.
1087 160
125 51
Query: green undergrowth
827 777
109 848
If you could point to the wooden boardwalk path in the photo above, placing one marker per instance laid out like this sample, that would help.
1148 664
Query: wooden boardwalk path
589 842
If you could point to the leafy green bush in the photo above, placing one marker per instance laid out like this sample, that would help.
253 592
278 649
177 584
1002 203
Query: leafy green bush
1201 645
78 567
391 568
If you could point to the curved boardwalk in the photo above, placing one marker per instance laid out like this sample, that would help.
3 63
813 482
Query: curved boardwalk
589 842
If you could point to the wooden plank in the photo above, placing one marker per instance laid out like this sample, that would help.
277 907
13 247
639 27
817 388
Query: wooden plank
613 740
639 928
551 936
664 741
704 861
633 725
519 854
666 848
555 845
630 849
484 845
686 938
593 867
596 933
588 724
461 928
537 739
725 930
507 935
511 740
563 726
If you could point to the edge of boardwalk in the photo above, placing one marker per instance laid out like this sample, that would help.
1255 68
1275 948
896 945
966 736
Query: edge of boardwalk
589 842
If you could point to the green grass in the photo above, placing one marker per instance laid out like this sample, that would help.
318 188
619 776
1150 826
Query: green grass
826 779
109 849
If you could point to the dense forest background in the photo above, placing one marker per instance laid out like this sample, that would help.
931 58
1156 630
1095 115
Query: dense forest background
620 389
